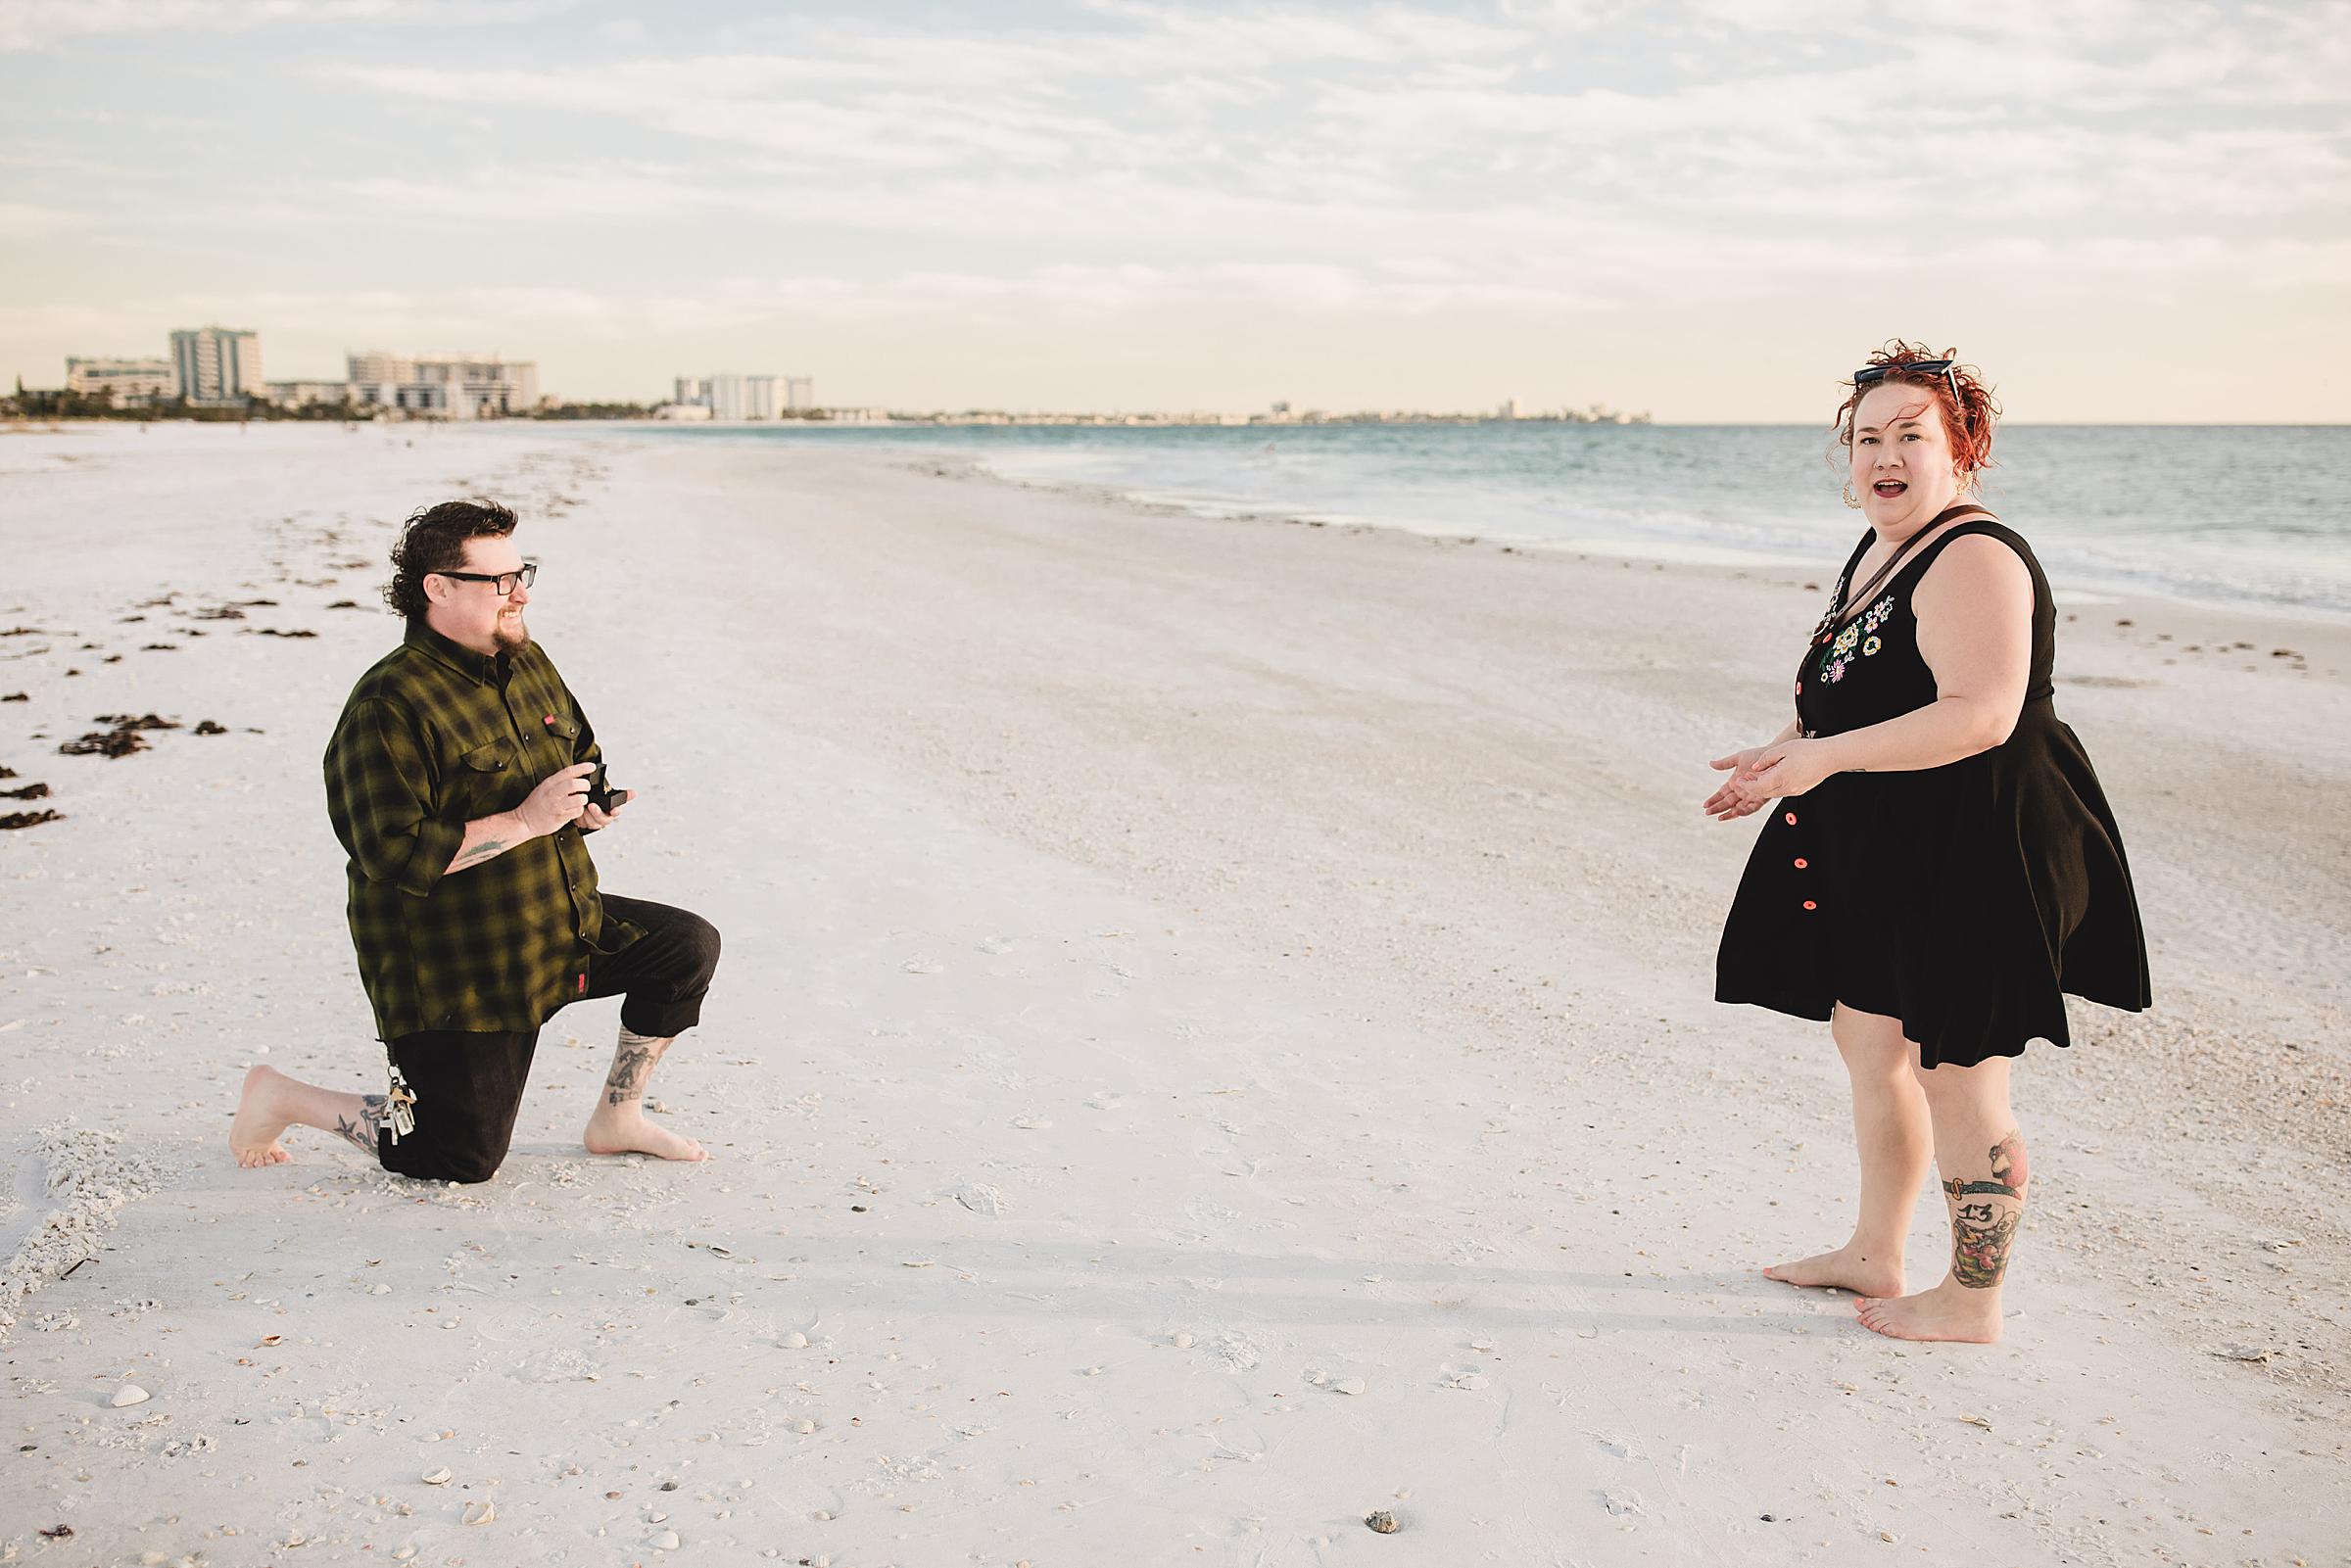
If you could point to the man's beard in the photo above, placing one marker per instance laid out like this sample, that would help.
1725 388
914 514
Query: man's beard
509 634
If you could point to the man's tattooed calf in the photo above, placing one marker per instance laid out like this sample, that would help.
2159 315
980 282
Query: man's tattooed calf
632 1063
360 1131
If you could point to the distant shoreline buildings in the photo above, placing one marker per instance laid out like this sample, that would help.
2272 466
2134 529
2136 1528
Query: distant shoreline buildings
215 371
219 368
1280 414
730 399
449 386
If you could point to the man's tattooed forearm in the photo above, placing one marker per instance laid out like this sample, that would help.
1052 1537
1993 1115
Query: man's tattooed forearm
481 851
1986 1215
360 1131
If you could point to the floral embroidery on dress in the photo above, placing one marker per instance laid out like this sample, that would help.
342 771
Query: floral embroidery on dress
1857 640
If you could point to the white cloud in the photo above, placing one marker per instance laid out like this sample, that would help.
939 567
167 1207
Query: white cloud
555 193
1385 34
747 102
23 220
41 24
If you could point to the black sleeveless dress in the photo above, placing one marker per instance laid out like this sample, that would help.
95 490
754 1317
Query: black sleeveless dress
1961 899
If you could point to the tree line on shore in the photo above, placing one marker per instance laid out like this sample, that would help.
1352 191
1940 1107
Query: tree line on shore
57 404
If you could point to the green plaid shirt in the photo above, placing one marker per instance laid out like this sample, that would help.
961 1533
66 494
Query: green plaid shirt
432 738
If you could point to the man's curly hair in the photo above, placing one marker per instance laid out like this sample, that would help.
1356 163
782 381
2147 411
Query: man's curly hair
434 540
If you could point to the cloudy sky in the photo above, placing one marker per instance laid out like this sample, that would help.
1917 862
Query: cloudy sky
1706 207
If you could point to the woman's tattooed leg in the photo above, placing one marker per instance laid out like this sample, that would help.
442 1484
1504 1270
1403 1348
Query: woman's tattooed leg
1982 1160
1985 1216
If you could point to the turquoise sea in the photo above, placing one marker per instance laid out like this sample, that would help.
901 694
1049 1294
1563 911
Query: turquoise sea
2242 515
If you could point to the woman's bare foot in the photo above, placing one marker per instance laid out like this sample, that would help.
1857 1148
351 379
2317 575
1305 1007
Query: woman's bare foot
1846 1268
1948 1311
261 1117
623 1130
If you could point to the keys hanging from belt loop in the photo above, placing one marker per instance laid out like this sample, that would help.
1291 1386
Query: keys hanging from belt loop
400 1101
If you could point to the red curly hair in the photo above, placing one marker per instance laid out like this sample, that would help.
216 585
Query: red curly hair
1968 410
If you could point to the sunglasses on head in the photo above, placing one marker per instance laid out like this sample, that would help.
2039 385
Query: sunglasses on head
1876 373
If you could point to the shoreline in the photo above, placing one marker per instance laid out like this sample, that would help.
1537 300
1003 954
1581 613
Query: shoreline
2204 619
2094 595
1175 971
2075 586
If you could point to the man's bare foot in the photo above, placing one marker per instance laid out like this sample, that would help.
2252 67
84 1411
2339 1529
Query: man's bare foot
261 1117
1846 1268
1948 1311
613 1132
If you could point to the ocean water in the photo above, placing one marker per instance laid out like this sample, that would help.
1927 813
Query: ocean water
2242 515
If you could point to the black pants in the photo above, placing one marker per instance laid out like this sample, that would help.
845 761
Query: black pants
469 1086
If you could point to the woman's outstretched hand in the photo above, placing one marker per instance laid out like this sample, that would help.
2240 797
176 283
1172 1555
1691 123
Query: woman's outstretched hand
1761 775
1724 804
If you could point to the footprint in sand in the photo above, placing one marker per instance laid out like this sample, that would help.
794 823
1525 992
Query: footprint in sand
979 1198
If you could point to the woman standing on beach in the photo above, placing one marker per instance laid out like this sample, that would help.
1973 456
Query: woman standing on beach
1940 863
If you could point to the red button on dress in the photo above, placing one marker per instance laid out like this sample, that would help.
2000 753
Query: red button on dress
1792 819
1808 904
1802 863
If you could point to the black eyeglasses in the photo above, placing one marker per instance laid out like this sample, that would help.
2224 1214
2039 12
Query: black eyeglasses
504 581
1925 368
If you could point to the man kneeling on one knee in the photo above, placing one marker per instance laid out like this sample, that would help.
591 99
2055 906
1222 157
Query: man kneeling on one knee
459 781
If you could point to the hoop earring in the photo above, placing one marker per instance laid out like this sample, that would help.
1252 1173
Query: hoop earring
1851 499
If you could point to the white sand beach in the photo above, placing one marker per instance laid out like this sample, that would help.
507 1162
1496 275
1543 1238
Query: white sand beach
1214 1039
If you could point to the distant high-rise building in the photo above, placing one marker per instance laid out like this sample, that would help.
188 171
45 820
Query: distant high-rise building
726 397
1508 409
125 381
376 369
799 391
304 393
482 387
216 364
736 398
460 386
